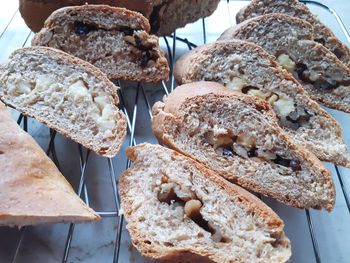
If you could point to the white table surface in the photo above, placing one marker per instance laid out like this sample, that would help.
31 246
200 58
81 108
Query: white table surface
96 242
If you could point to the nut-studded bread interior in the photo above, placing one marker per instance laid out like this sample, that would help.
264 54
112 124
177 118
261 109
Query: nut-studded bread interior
113 39
176 209
66 93
32 190
294 8
237 136
320 72
245 67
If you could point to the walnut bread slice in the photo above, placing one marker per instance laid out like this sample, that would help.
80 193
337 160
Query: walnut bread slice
294 8
238 136
320 72
245 67
67 94
113 39
32 190
179 211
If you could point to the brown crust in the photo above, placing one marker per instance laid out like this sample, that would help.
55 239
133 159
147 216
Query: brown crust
166 113
297 9
110 88
32 190
133 19
251 202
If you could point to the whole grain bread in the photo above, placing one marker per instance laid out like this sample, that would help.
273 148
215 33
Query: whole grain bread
32 190
320 72
238 137
67 94
246 67
294 8
165 16
179 211
113 39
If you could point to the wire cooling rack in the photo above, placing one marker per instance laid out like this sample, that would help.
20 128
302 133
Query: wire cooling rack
316 236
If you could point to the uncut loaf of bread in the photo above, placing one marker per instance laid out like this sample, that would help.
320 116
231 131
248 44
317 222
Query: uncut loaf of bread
321 73
294 8
246 67
113 39
178 211
237 136
32 190
67 94
164 15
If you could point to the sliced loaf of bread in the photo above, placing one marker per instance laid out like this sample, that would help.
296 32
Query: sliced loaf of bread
320 72
238 136
66 93
32 190
113 39
294 8
246 67
179 211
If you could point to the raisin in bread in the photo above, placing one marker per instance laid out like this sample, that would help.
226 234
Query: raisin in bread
66 93
32 190
165 16
246 67
178 210
238 136
320 72
113 39
294 8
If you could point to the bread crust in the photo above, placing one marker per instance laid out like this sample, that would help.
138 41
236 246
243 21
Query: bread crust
297 9
110 88
169 113
32 190
252 204
188 66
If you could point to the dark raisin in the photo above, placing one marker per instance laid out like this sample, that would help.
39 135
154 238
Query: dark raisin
247 88
281 161
226 151
252 152
338 52
145 58
128 31
320 40
326 85
169 197
295 165
82 29
1 152
300 68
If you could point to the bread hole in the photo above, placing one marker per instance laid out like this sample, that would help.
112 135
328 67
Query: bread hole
1 152
320 40
147 242
168 244
82 29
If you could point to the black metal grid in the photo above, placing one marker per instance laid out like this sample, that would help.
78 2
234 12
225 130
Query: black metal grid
131 115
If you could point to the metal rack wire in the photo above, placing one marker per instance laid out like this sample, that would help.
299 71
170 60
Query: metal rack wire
131 112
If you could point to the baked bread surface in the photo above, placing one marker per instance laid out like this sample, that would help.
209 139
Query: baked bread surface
160 198
32 190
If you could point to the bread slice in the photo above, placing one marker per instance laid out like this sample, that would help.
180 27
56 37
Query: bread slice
294 8
237 136
179 211
325 77
165 15
67 94
113 39
32 190
246 67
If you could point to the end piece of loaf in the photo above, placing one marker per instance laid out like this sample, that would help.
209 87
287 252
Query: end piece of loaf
67 94
165 15
179 211
238 136
245 67
113 39
296 9
320 72
32 190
